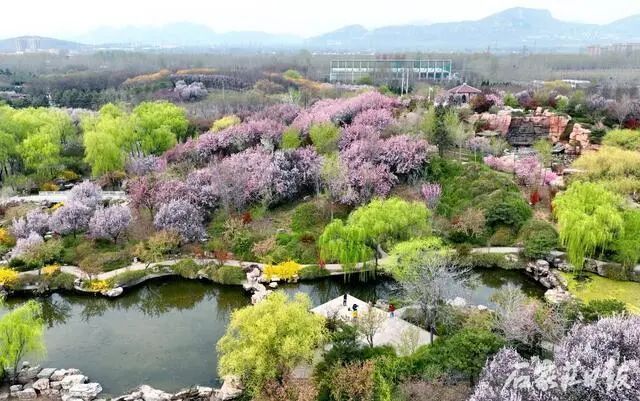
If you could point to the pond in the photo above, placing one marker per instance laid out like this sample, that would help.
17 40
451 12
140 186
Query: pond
164 333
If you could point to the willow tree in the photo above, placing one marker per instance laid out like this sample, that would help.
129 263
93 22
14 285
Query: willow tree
371 227
20 335
589 218
268 340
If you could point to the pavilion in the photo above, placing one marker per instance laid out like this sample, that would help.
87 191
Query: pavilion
463 93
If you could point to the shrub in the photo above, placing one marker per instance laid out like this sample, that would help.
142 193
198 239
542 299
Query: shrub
186 268
324 137
503 236
127 277
8 278
506 209
539 238
306 217
224 123
284 271
623 138
5 238
229 275
600 308
313 272
98 285
63 281
290 138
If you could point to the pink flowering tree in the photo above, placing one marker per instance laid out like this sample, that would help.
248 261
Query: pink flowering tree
405 154
181 217
283 113
72 218
35 221
110 223
239 137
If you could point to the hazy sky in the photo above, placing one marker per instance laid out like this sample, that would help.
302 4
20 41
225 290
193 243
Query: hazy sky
302 17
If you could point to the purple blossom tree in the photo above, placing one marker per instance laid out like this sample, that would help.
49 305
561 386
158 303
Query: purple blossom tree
35 221
110 223
284 113
72 218
181 217
239 137
87 193
24 245
405 154
379 119
600 361
144 165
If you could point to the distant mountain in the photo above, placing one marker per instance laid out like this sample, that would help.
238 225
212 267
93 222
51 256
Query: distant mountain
184 34
514 28
38 43
510 30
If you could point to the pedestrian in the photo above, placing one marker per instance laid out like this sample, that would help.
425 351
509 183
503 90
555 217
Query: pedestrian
392 310
354 314
344 300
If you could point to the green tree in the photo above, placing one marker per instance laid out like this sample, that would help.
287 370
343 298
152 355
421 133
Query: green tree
158 125
268 340
627 243
324 137
21 335
102 152
404 256
456 131
589 218
290 138
372 226
466 352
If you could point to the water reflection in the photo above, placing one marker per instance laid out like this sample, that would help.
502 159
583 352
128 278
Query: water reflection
164 333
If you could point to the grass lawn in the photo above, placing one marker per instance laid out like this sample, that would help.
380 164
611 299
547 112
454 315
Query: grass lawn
597 287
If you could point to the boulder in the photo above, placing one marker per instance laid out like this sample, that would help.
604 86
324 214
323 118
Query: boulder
41 384
28 374
85 391
457 302
482 308
204 392
557 296
4 396
151 394
14 389
113 293
27 394
71 380
46 373
58 374
231 389
51 393
57 385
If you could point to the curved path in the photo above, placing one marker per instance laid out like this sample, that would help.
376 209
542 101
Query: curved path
333 268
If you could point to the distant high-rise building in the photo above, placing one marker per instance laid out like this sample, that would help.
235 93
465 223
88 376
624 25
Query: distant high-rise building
616 48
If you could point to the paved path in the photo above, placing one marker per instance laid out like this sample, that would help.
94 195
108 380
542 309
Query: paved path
393 330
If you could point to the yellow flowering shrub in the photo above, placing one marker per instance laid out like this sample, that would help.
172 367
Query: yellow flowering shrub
225 122
284 271
8 277
57 206
6 238
98 285
50 270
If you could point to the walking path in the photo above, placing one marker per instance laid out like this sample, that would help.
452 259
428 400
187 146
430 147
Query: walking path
393 331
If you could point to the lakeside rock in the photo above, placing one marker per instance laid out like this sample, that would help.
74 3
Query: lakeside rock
51 384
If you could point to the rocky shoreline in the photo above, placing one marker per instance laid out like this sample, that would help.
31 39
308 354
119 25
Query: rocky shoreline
51 384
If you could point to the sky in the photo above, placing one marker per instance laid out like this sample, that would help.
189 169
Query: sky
67 18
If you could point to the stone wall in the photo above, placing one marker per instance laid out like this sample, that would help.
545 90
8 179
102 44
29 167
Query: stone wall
525 130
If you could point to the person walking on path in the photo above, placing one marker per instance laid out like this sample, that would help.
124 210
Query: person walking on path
354 312
344 300
392 310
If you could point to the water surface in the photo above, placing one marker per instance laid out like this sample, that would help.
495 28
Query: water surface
164 333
